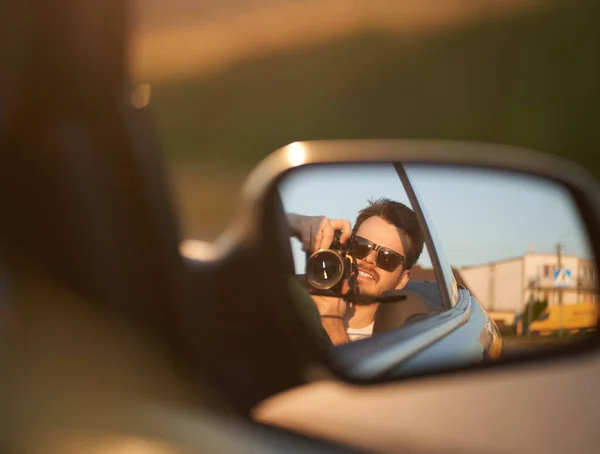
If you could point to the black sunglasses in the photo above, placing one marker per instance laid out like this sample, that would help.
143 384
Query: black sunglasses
387 259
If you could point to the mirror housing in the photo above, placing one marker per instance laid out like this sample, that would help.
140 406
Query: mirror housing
253 230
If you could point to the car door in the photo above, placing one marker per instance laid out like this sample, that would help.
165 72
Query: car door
476 335
460 332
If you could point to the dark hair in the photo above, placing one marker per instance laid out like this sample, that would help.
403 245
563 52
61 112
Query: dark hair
402 217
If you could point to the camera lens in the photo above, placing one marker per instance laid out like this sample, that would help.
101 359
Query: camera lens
324 269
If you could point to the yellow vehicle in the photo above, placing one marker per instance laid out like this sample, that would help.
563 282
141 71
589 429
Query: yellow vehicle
575 318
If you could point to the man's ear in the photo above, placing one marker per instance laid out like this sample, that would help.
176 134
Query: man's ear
404 277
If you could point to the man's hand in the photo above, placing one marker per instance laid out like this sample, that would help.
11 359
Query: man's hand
316 232
330 306
332 312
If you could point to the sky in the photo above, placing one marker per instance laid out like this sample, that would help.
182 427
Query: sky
479 215
183 38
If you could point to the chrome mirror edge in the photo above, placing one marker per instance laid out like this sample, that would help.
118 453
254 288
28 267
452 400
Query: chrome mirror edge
443 152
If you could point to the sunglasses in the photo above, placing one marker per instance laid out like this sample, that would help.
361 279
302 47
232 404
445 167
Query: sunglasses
387 259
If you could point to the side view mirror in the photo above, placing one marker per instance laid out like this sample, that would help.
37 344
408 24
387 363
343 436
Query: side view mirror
456 250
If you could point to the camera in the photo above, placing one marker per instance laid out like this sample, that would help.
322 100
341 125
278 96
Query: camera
326 269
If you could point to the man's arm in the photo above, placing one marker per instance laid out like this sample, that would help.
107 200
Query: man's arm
332 311
330 328
335 329
316 232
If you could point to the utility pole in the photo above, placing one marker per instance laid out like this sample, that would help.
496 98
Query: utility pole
492 285
560 290
530 304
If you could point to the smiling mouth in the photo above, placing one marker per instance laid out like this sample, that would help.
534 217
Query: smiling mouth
366 275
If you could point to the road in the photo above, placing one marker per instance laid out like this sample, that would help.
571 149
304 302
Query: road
519 345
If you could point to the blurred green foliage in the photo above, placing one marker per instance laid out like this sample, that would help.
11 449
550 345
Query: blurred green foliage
531 79
532 311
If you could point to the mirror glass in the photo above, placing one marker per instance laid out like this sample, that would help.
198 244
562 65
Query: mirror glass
406 267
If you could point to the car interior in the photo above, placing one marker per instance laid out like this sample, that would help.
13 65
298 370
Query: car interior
422 300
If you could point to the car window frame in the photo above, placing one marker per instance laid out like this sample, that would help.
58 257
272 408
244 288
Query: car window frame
441 266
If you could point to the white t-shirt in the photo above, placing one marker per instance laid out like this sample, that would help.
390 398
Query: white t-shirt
360 333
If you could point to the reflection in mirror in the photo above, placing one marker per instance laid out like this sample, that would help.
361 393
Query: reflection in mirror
373 245
356 234
520 247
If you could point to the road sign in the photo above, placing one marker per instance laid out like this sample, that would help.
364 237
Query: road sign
562 277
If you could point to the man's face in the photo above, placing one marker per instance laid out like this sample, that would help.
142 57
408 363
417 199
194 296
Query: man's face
382 233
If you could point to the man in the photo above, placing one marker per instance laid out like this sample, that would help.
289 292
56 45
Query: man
387 241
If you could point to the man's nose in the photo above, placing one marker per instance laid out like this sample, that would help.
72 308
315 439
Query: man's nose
371 257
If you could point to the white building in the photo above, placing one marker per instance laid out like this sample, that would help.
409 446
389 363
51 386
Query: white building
507 285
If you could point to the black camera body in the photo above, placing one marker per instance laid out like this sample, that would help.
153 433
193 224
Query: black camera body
327 269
